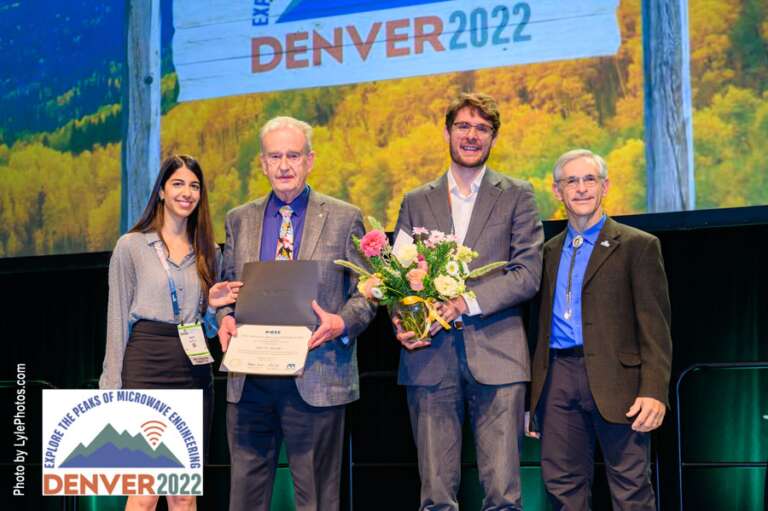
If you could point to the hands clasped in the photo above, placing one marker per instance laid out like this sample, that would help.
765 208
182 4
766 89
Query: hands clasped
448 310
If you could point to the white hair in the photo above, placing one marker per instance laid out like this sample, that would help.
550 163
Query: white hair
283 122
576 154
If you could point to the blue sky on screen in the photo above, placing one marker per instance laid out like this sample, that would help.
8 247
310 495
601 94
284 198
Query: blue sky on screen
310 9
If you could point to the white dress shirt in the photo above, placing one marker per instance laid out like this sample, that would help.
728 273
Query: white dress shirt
461 213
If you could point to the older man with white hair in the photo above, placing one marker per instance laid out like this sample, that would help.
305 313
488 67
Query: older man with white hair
307 411
602 362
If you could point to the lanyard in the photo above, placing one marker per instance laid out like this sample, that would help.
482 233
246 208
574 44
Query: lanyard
171 285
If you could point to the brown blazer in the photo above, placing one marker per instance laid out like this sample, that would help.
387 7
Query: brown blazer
626 320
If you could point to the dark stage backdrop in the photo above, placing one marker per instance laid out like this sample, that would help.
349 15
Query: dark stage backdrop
54 310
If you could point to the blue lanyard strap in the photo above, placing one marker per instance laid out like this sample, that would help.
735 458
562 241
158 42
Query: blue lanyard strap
171 284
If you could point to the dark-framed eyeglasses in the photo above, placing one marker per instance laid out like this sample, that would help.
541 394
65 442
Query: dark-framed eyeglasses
482 130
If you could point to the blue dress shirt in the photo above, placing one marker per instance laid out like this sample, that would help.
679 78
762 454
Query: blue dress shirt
567 333
270 231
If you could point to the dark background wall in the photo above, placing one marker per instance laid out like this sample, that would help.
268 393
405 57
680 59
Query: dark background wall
54 314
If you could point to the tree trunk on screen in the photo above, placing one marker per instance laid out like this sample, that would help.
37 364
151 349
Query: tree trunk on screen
668 112
141 108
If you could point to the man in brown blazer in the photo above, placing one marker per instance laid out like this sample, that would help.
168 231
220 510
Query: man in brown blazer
602 362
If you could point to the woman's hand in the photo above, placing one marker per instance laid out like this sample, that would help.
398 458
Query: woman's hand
223 293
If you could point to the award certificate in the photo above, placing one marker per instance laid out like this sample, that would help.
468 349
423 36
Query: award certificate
273 350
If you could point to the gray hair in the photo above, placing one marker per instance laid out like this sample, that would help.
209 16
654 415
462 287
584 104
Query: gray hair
576 154
283 122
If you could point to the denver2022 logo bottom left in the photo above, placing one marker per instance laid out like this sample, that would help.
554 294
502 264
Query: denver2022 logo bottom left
122 442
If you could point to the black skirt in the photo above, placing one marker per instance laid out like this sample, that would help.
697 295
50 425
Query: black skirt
155 359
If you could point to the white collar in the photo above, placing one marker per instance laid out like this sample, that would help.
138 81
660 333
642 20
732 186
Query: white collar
453 187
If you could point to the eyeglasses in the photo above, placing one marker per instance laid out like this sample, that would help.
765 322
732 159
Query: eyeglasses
482 130
589 181
292 157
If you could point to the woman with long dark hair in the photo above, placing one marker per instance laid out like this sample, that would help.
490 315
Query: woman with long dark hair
162 280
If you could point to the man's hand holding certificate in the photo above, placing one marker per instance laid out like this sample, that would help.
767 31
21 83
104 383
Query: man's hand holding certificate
276 313
331 326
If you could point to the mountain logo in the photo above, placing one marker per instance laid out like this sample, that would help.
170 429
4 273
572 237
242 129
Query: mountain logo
110 449
122 442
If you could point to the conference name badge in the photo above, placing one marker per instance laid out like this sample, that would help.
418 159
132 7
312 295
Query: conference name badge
193 342
122 442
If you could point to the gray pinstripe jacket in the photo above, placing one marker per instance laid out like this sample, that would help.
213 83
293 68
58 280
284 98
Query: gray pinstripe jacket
330 374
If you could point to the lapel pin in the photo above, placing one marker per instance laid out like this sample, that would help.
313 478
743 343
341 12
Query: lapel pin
605 243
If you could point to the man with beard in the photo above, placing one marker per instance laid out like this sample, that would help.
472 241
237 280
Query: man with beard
481 365
602 363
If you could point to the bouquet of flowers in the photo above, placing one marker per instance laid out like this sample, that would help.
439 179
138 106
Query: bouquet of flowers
411 277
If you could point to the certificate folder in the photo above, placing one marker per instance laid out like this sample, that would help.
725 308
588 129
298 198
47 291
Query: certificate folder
278 293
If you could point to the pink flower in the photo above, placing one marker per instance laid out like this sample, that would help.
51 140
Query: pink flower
416 279
436 237
421 264
373 243
419 230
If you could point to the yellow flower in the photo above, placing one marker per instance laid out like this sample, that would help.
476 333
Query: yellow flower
465 254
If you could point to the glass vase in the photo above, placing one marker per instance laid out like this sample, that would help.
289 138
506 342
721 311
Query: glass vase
414 316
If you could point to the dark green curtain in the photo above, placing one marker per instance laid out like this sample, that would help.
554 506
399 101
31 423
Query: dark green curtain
54 311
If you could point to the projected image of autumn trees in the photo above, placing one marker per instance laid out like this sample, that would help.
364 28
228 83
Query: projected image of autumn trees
59 188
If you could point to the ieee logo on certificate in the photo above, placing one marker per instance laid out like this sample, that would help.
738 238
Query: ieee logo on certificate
122 442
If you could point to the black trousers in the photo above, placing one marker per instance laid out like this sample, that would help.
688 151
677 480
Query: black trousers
570 423
271 411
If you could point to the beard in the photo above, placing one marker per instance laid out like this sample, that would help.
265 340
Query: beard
458 160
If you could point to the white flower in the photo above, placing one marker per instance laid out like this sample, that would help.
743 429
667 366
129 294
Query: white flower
376 292
448 286
406 254
452 268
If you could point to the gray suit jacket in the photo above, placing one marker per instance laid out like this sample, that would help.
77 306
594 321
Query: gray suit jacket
330 374
504 226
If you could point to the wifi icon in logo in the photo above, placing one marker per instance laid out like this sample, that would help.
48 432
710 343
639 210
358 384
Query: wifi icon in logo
153 431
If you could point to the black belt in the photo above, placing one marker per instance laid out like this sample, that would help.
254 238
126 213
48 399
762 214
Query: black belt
575 351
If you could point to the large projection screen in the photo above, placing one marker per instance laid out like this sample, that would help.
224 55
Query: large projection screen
373 78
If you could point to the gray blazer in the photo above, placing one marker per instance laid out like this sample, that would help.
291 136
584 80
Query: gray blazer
505 225
330 374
